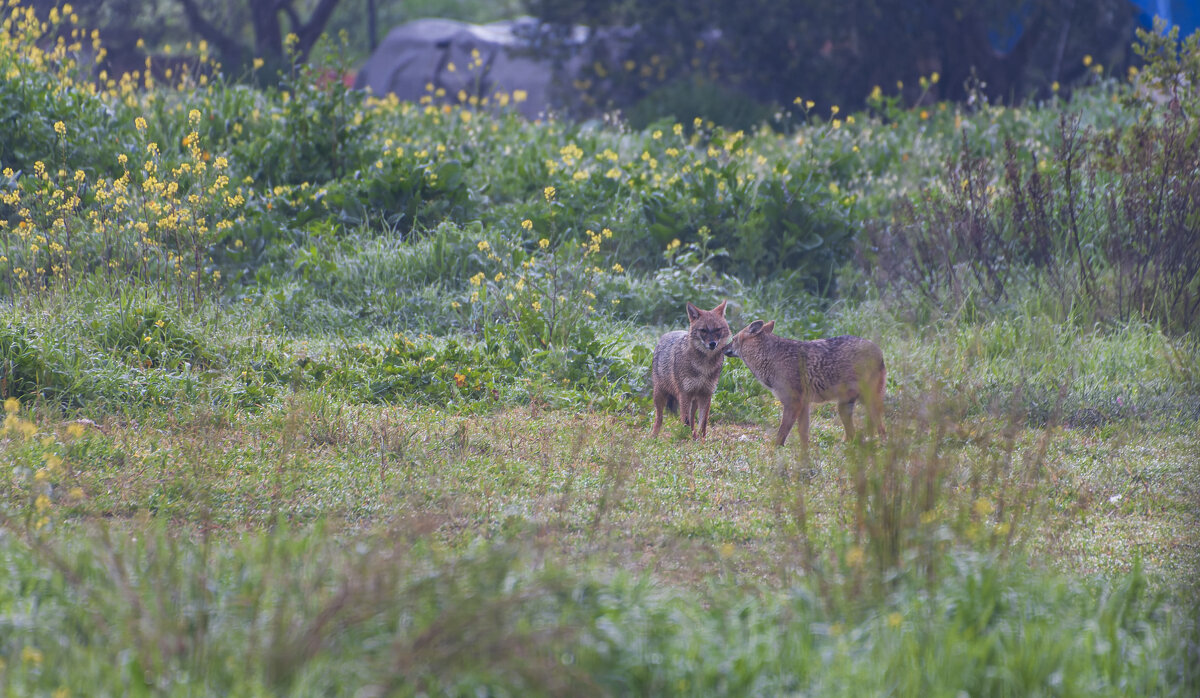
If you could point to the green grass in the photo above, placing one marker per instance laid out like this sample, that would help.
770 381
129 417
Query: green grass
1020 529
323 547
398 615
314 542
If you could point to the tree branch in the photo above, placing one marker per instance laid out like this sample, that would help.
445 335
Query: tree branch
311 30
285 6
229 49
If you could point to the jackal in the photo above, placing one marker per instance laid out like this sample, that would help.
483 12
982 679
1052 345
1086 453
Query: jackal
686 366
800 374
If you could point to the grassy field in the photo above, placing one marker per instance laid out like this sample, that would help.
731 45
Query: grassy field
313 394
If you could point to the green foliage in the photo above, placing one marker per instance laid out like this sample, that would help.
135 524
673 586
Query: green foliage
42 89
446 375
488 621
26 373
400 194
1106 225
147 335
312 134
693 98
787 223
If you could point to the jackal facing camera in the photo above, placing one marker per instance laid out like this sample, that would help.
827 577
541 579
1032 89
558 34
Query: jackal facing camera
686 367
800 374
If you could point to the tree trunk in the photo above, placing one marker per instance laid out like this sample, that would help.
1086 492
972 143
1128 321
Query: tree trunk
268 30
268 39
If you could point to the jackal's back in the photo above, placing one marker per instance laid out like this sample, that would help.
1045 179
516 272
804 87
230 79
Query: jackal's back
836 362
819 370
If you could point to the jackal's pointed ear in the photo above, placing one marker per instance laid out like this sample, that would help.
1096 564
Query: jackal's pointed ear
769 327
720 309
693 312
754 327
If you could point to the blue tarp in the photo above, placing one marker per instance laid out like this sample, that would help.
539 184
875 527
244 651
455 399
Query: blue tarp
1182 13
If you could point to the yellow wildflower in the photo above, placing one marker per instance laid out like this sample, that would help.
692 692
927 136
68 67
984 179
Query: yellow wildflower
31 655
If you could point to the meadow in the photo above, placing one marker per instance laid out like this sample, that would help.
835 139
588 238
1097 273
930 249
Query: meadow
309 392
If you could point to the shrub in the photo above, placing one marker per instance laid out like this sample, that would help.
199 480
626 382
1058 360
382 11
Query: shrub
40 88
313 128
1106 223
25 371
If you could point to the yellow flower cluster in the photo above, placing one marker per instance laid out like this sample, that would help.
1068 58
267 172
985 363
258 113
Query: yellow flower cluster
173 212
49 475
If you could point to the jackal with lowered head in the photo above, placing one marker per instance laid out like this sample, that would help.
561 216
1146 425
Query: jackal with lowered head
800 374
686 367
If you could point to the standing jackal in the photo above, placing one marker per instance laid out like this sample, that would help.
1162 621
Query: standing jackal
802 373
686 366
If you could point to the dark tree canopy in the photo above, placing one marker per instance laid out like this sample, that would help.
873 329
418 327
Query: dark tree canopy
836 52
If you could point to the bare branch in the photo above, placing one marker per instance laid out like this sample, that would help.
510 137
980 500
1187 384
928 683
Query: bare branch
285 6
311 30
230 50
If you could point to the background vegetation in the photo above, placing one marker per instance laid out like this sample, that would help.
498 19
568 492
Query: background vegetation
310 393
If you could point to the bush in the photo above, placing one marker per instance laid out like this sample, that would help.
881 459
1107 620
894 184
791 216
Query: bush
41 92
1106 225
25 371
688 99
